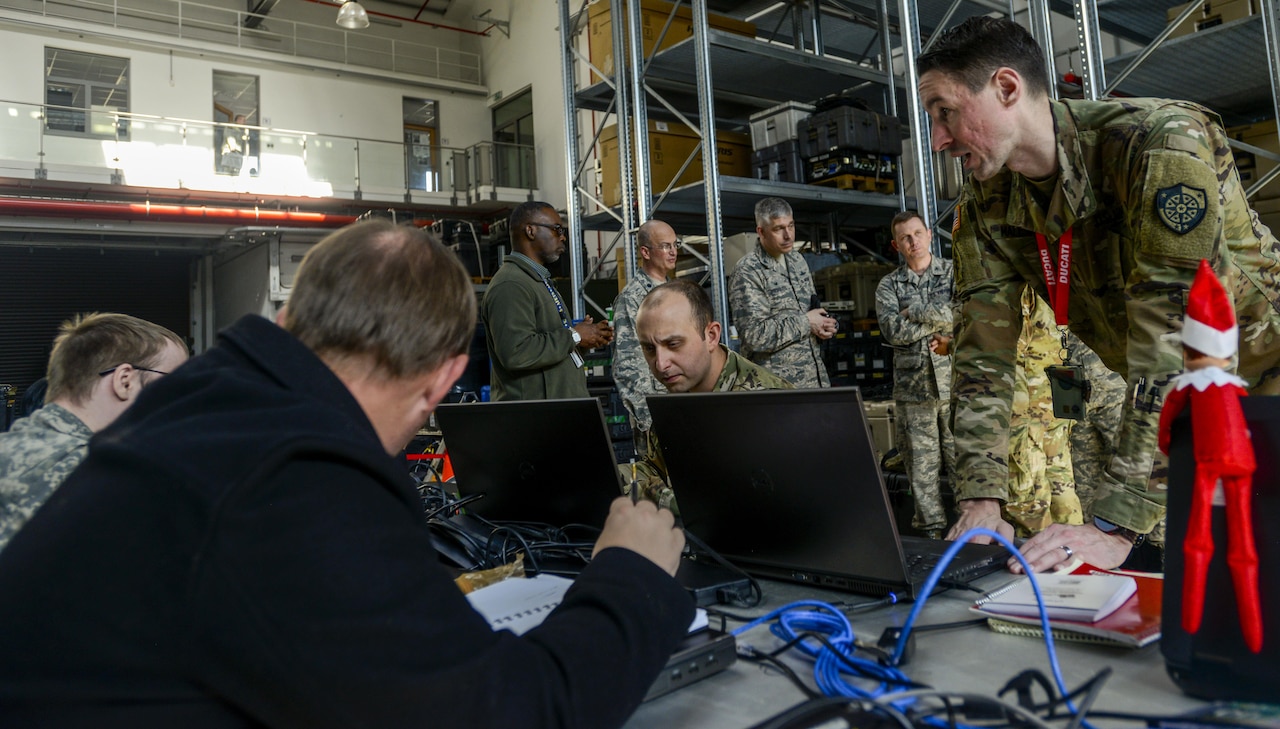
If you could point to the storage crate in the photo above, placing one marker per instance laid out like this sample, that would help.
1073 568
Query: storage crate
669 146
847 128
1211 14
853 285
653 15
778 124
779 163
851 162
880 417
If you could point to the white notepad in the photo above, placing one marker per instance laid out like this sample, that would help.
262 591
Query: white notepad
1086 598
521 604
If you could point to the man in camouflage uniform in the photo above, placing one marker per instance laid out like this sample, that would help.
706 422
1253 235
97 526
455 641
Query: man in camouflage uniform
914 308
770 294
99 365
1140 190
1041 486
681 344
656 246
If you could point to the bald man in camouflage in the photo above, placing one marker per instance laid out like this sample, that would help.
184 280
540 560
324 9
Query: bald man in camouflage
1138 190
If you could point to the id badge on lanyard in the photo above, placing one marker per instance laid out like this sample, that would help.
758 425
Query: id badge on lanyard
564 320
1067 382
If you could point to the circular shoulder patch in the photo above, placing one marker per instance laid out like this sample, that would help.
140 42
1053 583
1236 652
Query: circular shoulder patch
1180 207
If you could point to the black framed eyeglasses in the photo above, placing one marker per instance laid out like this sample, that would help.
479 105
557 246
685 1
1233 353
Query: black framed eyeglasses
104 373
558 229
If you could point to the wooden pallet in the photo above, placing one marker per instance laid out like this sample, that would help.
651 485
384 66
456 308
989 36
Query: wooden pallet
858 182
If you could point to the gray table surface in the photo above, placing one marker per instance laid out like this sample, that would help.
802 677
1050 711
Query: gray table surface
972 659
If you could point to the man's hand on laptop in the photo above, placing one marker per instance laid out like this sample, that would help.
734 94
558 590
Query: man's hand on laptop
980 513
1062 543
645 529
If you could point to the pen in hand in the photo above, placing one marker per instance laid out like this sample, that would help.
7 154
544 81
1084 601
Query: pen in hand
635 488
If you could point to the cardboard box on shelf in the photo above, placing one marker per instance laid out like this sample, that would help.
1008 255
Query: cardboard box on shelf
1251 166
653 16
670 144
1268 211
1212 14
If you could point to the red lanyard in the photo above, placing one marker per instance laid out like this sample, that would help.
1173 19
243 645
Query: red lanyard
1058 282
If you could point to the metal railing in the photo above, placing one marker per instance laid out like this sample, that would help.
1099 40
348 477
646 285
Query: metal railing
195 21
175 153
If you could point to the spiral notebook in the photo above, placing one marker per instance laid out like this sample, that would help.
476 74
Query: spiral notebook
1134 624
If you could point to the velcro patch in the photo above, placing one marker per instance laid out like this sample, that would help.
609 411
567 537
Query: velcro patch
1181 208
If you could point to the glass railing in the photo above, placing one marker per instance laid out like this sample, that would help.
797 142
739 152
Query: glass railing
162 152
272 34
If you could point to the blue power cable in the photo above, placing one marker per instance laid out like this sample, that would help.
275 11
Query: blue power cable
941 567
828 668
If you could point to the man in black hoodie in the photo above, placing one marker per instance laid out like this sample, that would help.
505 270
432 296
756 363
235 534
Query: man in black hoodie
243 549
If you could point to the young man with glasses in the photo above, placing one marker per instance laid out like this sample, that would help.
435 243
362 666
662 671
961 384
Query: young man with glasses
533 345
99 365
657 247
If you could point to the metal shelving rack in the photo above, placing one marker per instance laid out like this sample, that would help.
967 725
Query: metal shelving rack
732 77
1191 66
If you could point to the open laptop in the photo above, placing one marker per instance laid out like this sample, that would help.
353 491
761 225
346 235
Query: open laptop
1215 663
786 484
547 461
551 462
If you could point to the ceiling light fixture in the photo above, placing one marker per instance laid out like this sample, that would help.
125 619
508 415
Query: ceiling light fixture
352 15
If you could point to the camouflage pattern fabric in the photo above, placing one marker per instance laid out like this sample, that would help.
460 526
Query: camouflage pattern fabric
630 371
911 308
1041 485
769 299
1093 439
651 474
1148 187
36 455
923 433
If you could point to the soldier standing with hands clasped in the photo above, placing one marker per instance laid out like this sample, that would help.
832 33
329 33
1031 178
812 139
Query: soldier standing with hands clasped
914 307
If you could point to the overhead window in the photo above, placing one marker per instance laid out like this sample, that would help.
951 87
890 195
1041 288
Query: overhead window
84 93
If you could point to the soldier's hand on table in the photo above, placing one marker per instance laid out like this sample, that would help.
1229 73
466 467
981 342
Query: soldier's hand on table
980 513
1045 551
645 529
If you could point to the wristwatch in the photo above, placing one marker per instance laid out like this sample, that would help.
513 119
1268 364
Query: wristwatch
1108 528
577 338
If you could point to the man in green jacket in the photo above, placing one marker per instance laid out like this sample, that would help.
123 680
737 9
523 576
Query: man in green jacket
1105 208
534 350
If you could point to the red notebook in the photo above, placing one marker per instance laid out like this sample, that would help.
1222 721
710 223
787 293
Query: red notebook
1135 624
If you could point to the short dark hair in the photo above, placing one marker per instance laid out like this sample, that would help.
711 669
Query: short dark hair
699 301
90 343
973 50
903 217
524 213
389 292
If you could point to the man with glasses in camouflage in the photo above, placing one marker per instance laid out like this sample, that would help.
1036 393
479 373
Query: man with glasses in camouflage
534 348
657 247
99 365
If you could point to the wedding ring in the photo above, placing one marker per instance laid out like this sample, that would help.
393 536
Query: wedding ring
1070 552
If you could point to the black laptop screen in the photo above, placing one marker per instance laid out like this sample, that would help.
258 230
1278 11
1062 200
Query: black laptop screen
547 461
786 479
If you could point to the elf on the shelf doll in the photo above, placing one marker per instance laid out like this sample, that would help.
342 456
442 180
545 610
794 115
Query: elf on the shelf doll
1223 453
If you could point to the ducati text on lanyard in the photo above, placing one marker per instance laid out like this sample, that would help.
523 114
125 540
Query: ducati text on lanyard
1057 274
